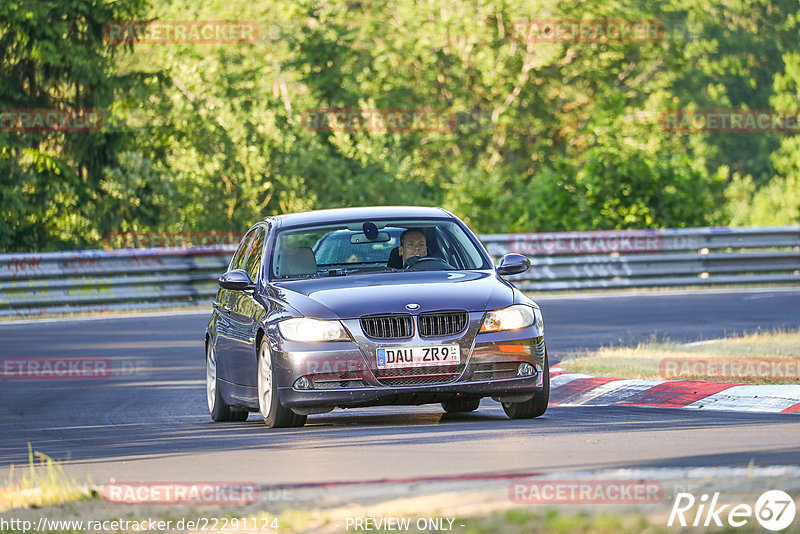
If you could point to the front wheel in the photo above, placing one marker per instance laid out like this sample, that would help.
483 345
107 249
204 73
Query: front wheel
217 407
535 406
275 414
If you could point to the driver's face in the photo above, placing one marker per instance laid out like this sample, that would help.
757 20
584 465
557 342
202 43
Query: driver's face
413 245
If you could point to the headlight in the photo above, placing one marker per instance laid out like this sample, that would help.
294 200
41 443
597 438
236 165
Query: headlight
306 329
511 318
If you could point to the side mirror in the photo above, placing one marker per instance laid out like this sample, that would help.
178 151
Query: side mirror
513 264
237 279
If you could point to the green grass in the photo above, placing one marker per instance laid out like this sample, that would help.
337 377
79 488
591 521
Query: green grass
644 361
522 521
525 521
528 520
41 483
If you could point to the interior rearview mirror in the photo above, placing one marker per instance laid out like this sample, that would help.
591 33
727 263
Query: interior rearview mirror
382 237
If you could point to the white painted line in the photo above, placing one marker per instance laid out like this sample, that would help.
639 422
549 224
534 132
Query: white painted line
594 393
620 390
699 343
778 404
541 296
757 398
753 398
107 317
672 473
560 380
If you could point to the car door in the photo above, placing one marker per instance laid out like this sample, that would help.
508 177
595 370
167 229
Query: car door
224 331
245 315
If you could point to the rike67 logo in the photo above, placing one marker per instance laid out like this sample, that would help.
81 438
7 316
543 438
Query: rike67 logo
774 510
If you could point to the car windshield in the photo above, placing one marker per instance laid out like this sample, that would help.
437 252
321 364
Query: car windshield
373 246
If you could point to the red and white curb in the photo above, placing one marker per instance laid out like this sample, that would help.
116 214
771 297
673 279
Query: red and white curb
573 389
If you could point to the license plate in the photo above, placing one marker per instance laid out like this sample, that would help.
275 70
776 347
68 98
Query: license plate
418 356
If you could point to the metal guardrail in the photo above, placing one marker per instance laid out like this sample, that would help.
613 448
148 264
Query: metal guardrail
654 258
100 280
104 280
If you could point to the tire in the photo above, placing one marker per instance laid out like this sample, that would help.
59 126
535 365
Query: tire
535 406
275 414
460 405
219 410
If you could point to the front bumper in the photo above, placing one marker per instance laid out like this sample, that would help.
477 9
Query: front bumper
345 374
516 389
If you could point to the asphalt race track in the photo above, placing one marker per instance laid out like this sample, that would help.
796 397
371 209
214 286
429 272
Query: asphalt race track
151 422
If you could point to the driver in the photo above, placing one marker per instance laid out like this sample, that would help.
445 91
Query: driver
412 243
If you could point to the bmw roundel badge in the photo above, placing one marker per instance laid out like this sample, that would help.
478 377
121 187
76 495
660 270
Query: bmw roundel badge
412 306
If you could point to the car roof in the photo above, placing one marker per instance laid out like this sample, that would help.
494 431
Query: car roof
365 213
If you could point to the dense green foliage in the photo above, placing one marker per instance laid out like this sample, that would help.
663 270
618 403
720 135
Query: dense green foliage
549 136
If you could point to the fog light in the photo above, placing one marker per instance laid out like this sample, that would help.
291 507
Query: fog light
302 383
525 369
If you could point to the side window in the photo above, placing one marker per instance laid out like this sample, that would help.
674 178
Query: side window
468 253
446 246
238 257
253 261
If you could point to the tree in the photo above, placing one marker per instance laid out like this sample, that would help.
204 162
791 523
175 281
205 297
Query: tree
53 57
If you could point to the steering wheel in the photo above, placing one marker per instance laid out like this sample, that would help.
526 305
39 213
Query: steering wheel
426 263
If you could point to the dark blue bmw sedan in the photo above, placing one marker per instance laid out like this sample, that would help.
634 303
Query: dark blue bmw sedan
371 306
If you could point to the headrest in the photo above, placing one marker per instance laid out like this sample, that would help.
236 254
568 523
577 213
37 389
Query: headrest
297 261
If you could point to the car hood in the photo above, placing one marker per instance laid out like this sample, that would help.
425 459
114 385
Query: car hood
352 296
